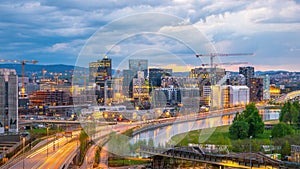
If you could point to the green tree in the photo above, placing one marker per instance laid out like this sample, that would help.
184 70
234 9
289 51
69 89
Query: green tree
256 124
83 138
251 116
150 142
286 149
250 109
290 113
281 130
97 155
239 130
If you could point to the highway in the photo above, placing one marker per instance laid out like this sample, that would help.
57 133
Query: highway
34 159
89 158
58 159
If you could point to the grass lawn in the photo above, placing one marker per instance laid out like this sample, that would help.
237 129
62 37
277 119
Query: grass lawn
219 136
126 162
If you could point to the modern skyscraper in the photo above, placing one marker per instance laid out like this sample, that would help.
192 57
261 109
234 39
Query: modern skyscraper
256 89
8 101
266 87
127 82
93 67
139 65
248 73
135 65
155 75
103 74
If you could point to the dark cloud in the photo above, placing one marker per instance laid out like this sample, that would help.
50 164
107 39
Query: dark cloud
55 31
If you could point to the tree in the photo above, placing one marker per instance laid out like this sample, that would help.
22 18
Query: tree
281 130
251 116
239 130
286 149
256 124
250 109
289 113
83 138
150 142
283 111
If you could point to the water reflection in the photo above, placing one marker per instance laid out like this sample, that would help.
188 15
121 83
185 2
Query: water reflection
162 135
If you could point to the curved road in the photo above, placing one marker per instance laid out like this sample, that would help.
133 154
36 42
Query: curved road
89 158
57 159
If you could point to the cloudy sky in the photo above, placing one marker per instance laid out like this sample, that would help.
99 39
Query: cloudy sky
75 32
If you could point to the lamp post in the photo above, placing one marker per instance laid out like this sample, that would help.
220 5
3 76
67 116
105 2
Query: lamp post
4 153
250 151
271 145
47 141
23 140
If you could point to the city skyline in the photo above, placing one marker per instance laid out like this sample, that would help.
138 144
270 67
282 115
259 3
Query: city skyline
55 33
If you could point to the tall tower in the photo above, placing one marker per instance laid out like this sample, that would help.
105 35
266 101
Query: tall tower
8 101
139 65
104 73
248 73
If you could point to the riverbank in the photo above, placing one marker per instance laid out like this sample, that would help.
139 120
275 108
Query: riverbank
221 137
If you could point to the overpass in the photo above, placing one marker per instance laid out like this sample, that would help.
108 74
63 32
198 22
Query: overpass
24 122
236 160
288 96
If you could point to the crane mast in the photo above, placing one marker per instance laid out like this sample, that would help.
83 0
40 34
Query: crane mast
23 62
213 67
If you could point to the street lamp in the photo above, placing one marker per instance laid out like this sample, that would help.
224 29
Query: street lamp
250 151
271 144
47 141
4 153
23 140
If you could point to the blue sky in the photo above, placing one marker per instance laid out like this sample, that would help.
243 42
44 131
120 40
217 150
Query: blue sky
55 32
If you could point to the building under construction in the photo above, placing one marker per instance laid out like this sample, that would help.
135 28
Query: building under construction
8 101
50 98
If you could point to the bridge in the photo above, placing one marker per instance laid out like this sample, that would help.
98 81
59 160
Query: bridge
288 96
234 160
25 122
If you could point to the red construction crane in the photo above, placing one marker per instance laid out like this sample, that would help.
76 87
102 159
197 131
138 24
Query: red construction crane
23 62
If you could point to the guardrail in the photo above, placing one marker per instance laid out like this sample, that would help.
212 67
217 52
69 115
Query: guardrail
242 159
17 157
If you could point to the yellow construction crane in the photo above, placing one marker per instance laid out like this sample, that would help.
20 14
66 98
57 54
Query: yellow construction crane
23 62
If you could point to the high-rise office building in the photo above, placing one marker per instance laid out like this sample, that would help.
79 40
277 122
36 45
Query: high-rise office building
104 73
266 87
135 65
8 101
93 67
139 65
256 89
248 73
155 76
127 82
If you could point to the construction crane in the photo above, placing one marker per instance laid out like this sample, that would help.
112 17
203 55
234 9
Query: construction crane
227 63
213 55
213 65
23 62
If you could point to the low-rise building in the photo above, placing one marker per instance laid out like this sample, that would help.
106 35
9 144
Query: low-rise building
295 153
